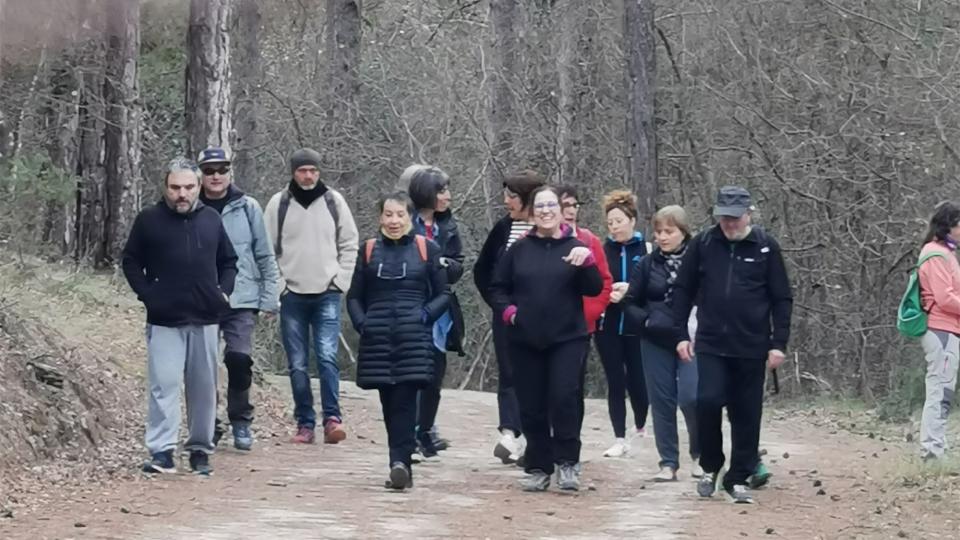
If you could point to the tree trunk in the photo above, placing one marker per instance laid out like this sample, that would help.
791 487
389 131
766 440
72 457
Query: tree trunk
208 107
566 77
342 43
247 78
639 46
501 108
122 131
5 132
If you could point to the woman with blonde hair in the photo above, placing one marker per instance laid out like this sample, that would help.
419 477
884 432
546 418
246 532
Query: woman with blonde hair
648 302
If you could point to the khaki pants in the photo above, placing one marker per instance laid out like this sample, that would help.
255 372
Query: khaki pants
942 351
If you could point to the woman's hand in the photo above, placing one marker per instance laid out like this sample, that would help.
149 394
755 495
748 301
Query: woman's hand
578 256
619 290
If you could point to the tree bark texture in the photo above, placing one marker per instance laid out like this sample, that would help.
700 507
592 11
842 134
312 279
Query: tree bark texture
502 77
247 78
122 130
207 106
342 43
639 46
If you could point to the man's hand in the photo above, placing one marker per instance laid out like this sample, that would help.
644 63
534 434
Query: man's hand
685 351
268 315
577 256
619 290
775 358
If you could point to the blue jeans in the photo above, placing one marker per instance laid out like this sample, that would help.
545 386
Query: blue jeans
299 315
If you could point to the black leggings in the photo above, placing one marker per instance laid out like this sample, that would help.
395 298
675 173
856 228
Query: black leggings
620 356
430 396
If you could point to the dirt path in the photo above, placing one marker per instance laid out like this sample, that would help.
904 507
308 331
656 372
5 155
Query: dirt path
326 491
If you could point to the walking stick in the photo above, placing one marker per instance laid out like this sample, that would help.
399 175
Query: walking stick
776 382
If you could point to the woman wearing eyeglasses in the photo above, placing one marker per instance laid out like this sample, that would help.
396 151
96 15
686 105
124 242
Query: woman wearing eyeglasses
399 290
517 189
538 291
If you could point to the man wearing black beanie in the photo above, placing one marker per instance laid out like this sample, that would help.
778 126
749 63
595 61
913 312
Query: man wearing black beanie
316 244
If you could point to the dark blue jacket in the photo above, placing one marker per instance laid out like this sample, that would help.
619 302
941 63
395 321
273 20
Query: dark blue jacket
180 265
742 293
623 259
393 302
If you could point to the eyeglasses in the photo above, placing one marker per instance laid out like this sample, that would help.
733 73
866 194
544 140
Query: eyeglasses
545 206
210 171
571 205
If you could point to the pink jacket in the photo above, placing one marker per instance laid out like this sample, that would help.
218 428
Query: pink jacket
940 288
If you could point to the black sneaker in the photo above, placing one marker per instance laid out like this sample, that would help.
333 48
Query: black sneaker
200 463
440 444
427 450
400 477
160 463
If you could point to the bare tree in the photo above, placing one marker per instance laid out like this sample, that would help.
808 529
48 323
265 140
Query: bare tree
247 78
640 48
208 96
122 131
342 46
503 78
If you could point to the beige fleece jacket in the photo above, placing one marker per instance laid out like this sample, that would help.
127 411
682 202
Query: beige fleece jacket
313 261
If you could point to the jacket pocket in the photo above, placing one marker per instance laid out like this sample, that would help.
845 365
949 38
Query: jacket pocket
211 301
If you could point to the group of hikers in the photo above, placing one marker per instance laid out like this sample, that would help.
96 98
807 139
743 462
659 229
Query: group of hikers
690 321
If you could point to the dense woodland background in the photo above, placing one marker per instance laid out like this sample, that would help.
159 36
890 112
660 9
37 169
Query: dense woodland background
840 115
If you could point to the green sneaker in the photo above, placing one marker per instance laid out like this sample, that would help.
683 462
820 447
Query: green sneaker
760 477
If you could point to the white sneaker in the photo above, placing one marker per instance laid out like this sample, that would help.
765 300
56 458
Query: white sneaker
521 448
620 448
640 433
508 448
697 471
666 474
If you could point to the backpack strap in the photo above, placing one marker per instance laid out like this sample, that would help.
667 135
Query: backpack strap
927 257
421 246
368 249
331 200
281 217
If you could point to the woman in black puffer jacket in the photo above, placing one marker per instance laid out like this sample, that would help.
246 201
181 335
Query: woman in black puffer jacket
398 291
648 302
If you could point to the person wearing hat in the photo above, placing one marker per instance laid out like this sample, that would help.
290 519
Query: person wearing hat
316 244
255 291
736 274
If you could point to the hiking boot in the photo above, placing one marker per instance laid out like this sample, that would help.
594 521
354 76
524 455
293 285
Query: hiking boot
567 478
304 435
160 463
400 477
536 481
707 484
666 474
508 448
760 477
739 495
620 448
333 431
242 437
200 463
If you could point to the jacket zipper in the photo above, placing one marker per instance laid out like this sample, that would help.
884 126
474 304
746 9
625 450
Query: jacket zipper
726 296
623 277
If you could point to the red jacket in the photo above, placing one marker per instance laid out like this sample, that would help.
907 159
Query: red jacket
594 306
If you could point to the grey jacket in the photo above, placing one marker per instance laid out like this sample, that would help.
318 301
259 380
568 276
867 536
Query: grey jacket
257 274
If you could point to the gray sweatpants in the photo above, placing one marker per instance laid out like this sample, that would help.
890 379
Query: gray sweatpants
942 351
183 355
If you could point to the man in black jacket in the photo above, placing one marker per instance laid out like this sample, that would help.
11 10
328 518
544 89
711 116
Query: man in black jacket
736 275
180 262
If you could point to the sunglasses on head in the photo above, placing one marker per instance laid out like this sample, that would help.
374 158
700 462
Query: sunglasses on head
210 171
571 205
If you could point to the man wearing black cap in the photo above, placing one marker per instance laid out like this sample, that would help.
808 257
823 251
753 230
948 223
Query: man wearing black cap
255 291
736 275
316 244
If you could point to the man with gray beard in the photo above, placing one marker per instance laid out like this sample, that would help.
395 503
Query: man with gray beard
735 274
